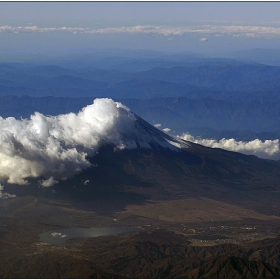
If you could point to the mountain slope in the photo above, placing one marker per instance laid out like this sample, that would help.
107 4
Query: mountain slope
198 209
144 163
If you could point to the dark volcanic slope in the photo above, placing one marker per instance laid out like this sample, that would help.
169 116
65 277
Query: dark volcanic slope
200 171
125 177
166 167
164 191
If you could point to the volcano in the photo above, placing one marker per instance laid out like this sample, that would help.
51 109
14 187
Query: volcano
127 158
122 171
144 163
149 136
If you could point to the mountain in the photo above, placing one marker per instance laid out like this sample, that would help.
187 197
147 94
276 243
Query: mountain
209 118
184 114
217 78
165 167
263 56
199 212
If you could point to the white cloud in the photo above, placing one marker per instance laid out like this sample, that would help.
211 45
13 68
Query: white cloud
158 125
5 195
235 30
166 129
264 149
48 183
203 39
56 147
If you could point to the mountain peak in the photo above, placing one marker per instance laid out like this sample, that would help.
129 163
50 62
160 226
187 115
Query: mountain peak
151 137
57 147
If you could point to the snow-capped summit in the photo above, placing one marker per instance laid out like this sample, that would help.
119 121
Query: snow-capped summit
57 147
145 135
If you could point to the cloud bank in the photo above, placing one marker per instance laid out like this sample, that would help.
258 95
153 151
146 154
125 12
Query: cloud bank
268 149
267 31
55 147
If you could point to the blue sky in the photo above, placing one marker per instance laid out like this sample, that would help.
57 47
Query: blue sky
205 27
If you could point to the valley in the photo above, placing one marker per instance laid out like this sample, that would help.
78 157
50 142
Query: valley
162 248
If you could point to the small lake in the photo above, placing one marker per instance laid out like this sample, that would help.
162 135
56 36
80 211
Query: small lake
60 236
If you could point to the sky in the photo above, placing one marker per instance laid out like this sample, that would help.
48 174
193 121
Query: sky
203 27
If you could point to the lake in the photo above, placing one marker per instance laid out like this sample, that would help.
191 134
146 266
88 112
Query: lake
60 236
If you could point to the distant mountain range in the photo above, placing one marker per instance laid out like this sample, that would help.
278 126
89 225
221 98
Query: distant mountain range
209 96
128 59
219 79
263 56
202 117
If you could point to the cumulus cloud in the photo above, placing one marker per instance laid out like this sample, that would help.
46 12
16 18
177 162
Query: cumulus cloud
53 148
56 147
158 125
5 195
235 30
265 149
166 129
203 39
48 183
